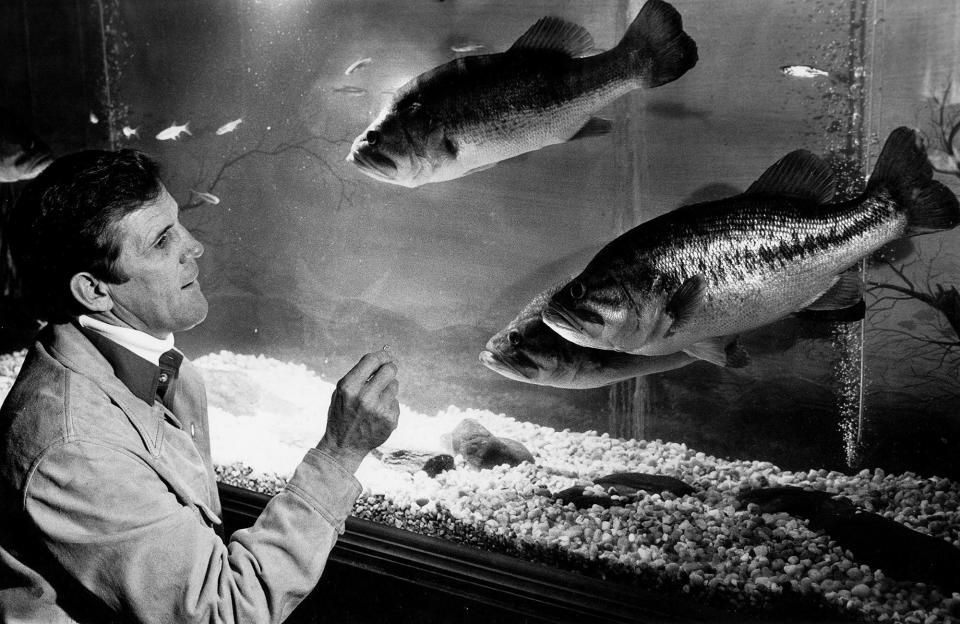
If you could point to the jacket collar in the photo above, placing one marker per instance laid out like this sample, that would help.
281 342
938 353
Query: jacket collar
146 380
67 343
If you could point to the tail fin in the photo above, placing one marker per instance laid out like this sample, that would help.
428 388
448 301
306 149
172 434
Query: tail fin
659 49
904 170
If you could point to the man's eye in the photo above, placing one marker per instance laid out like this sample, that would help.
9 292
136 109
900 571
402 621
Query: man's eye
162 241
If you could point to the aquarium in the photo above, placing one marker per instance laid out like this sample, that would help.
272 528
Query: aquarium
806 462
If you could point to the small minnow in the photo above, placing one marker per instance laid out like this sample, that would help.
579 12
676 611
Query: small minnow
174 132
942 161
357 65
803 71
22 154
210 198
468 46
228 127
129 132
93 118
351 90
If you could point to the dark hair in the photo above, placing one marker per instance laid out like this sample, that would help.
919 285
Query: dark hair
65 222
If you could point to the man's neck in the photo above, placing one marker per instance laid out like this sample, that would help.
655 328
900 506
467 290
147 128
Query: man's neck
143 344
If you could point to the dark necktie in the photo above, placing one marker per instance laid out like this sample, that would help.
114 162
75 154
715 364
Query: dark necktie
169 368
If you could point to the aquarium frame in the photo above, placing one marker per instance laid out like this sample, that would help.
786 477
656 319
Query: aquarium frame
526 588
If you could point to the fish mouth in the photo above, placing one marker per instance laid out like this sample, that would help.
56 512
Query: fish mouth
575 327
499 364
558 316
373 163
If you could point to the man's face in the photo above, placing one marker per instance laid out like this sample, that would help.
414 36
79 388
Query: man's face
160 257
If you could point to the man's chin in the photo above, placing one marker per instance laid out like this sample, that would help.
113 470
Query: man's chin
196 313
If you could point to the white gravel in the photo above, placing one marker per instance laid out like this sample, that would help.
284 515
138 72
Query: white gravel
265 413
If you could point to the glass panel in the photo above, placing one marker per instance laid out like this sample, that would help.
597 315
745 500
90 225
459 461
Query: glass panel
911 348
252 107
311 262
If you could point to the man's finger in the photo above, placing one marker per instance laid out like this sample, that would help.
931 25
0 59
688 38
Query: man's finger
389 393
365 368
381 378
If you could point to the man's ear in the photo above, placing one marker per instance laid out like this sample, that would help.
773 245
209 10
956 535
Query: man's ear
91 292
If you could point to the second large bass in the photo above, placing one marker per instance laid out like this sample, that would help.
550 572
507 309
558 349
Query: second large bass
685 279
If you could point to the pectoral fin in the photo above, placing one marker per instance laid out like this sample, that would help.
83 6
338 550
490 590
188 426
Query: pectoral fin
685 302
595 126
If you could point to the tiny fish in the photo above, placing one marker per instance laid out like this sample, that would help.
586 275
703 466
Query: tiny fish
174 132
467 46
942 161
351 90
803 71
475 111
685 278
210 198
129 132
230 126
357 65
22 155
93 118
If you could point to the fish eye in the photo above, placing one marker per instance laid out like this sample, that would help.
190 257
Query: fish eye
514 338
373 137
577 290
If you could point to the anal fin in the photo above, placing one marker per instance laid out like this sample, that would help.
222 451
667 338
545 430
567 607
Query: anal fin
846 292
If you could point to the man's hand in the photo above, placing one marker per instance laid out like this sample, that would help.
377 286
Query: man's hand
363 410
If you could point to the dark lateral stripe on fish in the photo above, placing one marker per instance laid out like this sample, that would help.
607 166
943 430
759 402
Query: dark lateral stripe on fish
834 226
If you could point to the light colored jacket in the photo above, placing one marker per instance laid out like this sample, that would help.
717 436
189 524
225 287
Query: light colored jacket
108 505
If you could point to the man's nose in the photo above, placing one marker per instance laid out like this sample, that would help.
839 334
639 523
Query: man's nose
194 248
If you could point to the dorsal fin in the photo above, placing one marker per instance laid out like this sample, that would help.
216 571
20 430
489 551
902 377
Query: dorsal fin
798 174
552 34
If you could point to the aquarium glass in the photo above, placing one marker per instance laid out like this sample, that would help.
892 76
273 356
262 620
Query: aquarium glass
309 260
252 106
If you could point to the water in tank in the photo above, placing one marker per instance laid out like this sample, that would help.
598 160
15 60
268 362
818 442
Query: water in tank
722 400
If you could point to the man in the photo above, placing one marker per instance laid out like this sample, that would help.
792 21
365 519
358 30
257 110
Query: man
108 502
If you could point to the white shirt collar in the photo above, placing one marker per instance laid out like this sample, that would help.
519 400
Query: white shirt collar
141 343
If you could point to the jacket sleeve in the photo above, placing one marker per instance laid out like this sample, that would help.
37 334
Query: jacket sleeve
113 524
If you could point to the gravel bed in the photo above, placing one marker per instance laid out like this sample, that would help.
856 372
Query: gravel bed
706 544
